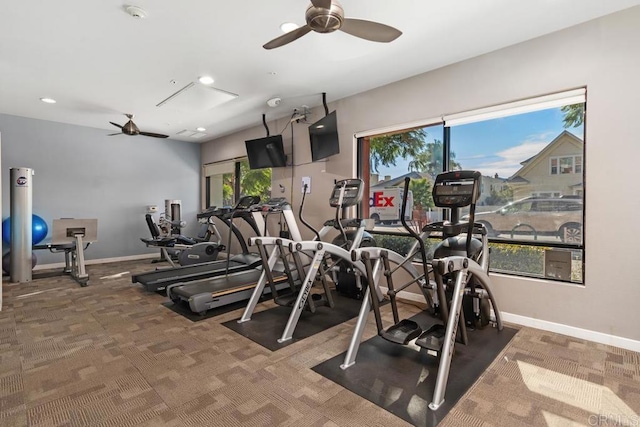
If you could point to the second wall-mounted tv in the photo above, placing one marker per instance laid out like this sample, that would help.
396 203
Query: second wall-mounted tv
323 135
266 152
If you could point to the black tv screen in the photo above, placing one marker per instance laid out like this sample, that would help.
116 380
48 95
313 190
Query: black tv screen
266 152
323 135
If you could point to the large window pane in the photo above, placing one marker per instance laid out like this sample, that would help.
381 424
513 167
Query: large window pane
532 185
223 184
415 153
532 174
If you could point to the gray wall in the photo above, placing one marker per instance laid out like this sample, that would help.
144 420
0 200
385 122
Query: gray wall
82 173
601 54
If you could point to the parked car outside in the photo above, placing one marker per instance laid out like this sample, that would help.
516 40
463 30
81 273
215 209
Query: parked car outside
561 217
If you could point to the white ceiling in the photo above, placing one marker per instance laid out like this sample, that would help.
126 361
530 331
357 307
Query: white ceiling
98 62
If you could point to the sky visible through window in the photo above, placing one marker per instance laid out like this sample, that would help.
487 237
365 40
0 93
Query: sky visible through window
497 146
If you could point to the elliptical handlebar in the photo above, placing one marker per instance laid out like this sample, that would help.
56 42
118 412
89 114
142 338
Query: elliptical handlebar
302 220
472 216
339 207
403 220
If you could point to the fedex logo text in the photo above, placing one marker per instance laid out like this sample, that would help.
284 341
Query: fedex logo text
380 201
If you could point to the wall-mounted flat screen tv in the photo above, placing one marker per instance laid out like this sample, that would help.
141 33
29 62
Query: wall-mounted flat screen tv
323 135
266 152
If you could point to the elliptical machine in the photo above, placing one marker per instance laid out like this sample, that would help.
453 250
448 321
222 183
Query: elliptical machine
345 194
326 258
459 268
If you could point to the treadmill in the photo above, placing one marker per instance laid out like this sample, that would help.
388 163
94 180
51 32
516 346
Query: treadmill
158 280
206 294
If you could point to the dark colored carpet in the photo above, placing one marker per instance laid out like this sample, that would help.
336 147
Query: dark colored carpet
401 379
266 327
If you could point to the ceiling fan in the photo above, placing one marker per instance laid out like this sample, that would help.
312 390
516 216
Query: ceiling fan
130 128
327 16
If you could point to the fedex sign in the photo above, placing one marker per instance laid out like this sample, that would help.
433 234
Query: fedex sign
380 200
385 204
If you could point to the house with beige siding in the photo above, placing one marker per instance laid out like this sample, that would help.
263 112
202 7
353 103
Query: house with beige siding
555 171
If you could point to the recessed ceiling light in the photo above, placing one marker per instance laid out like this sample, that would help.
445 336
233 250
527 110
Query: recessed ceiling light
205 80
288 27
200 129
48 100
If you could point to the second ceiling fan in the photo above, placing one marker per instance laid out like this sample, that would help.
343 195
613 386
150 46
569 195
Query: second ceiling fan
327 16
131 129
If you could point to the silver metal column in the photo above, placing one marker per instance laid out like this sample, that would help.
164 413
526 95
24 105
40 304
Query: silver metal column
21 195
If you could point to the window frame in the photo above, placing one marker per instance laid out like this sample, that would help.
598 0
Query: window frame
571 97
224 167
558 167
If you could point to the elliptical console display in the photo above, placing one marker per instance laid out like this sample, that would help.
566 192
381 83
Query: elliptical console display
347 193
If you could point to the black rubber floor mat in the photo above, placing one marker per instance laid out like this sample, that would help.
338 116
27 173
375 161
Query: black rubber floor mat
401 379
266 327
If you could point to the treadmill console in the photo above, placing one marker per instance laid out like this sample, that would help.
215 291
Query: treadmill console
351 195
207 213
246 202
274 204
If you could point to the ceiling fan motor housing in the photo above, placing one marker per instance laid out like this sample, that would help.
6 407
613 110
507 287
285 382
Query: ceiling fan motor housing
325 20
130 128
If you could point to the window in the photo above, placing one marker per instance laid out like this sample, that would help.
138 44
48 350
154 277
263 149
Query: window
537 155
545 194
566 165
225 182
531 156
386 159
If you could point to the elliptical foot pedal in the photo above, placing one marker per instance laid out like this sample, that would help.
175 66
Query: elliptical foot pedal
402 332
320 300
286 300
432 339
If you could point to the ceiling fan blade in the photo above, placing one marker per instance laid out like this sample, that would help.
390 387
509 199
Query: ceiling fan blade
325 4
288 37
154 135
116 125
369 30
114 134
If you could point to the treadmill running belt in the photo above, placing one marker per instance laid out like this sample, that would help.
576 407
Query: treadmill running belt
159 279
222 284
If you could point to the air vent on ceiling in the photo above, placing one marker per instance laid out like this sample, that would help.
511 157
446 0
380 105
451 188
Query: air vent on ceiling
197 97
191 134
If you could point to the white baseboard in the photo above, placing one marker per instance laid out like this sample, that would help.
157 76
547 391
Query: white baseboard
572 331
545 325
98 261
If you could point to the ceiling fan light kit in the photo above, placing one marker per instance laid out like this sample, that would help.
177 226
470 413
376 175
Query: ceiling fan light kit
327 16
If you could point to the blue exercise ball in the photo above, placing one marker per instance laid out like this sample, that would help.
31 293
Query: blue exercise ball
6 262
39 230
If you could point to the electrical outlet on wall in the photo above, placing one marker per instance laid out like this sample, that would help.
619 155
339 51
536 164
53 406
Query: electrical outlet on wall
306 180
